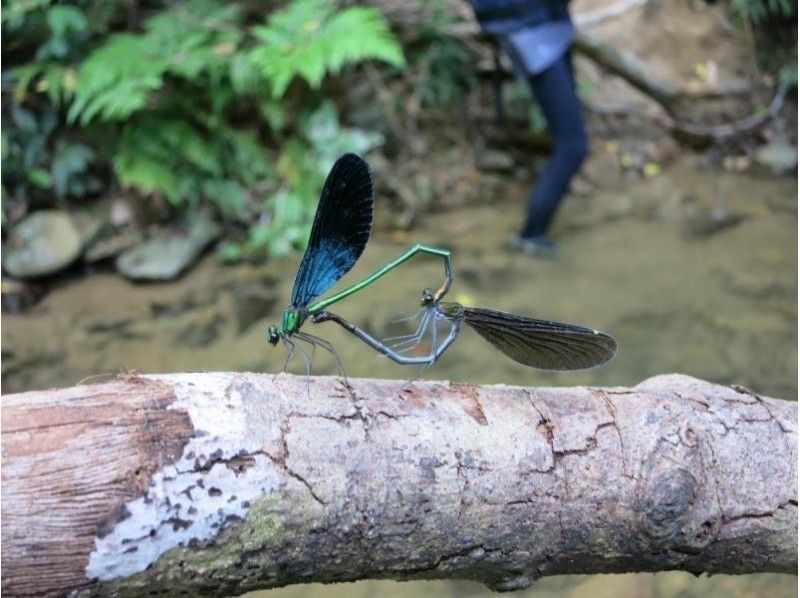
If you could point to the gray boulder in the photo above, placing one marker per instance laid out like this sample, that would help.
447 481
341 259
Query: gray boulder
42 243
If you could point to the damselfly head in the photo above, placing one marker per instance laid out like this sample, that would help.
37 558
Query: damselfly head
427 298
273 335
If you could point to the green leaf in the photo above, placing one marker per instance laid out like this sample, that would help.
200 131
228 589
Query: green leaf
310 38
244 75
274 113
246 159
330 140
147 176
116 80
70 159
18 10
64 20
193 41
24 119
227 195
40 177
230 252
22 77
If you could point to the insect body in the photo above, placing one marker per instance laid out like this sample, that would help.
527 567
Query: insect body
339 234
540 344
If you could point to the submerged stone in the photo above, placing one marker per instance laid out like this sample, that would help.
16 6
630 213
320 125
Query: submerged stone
19 295
42 243
777 157
167 255
703 217
202 331
90 224
253 303
111 243
496 161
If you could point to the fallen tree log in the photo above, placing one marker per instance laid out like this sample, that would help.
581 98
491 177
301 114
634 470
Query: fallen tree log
220 483
628 68
608 12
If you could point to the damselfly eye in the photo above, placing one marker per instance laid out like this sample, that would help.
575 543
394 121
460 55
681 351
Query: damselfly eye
273 335
427 298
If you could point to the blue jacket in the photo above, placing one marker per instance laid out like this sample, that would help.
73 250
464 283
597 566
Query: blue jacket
498 17
534 33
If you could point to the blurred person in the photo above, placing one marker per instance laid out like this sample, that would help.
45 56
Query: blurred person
537 35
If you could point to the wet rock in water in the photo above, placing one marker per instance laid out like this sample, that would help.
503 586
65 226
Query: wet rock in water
777 157
112 243
202 331
32 368
114 324
90 225
197 298
42 243
602 168
103 237
496 161
758 284
252 304
19 295
701 218
170 253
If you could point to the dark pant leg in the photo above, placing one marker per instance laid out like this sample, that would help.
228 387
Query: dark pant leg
555 91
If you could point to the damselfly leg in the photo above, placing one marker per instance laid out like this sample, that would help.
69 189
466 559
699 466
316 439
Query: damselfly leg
404 337
396 356
289 353
412 340
315 341
436 317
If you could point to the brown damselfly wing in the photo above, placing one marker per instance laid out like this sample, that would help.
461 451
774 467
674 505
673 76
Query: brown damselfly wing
539 343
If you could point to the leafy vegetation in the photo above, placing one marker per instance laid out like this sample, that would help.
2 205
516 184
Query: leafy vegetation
197 103
774 25
313 37
184 104
445 70
759 11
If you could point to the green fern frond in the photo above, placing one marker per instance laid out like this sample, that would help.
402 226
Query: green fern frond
196 36
358 33
146 175
116 79
119 78
758 11
311 38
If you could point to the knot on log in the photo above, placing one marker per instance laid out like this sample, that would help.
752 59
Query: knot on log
669 495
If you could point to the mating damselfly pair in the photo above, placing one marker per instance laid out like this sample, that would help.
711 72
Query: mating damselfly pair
339 234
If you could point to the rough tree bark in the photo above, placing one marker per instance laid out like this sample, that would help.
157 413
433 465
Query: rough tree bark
216 484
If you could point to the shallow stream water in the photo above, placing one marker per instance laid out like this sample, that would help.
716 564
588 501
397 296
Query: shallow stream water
693 271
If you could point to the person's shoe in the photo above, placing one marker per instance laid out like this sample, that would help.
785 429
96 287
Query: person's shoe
539 246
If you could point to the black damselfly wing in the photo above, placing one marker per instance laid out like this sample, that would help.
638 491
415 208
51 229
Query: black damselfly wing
539 343
340 231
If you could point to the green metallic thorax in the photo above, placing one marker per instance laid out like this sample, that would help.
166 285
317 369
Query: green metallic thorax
292 320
